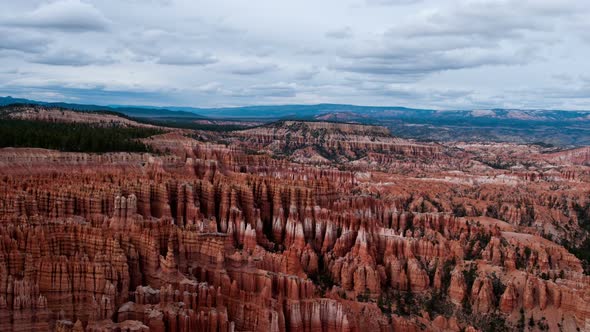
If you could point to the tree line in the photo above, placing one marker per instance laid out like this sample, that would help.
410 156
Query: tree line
73 137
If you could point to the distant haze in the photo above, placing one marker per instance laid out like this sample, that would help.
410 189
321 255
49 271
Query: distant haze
435 54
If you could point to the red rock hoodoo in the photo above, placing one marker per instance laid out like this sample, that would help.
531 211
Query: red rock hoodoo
330 228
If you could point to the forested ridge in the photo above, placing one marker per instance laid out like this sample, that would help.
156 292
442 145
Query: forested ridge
74 137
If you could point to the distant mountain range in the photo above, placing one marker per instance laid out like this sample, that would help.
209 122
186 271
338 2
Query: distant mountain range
557 127
336 112
133 111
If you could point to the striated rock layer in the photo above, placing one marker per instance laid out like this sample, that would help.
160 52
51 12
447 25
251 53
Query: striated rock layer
212 237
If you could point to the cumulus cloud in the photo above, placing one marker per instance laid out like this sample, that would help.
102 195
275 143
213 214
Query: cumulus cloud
64 15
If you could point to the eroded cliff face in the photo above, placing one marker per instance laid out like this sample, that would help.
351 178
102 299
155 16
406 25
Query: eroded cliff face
213 237
323 142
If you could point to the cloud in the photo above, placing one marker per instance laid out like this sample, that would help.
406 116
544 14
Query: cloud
266 91
343 33
307 73
251 68
420 63
563 78
468 35
492 20
186 58
64 15
168 47
581 92
87 93
70 57
22 41
414 92
424 53
391 2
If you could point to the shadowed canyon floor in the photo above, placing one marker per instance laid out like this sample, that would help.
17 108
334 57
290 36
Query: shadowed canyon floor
294 226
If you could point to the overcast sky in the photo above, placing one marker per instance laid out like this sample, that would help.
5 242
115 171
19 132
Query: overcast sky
418 53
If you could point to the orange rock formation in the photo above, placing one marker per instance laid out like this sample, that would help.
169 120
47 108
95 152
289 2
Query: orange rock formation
212 237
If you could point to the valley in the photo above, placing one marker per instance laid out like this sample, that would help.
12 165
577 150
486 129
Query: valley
290 225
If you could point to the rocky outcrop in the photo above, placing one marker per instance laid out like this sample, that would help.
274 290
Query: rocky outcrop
509 299
458 287
320 142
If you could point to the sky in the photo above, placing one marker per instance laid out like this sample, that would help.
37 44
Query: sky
441 54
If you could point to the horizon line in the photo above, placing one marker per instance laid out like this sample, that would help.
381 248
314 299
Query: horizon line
286 105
